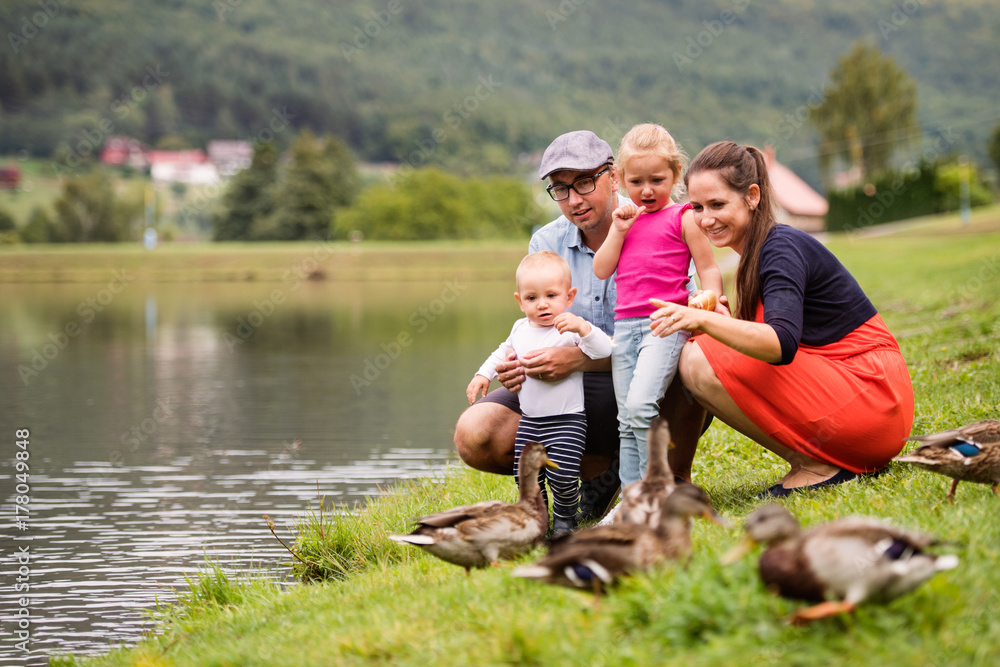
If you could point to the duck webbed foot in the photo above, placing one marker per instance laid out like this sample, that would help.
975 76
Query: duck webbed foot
822 610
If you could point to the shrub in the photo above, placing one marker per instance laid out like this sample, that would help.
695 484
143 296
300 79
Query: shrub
431 204
933 187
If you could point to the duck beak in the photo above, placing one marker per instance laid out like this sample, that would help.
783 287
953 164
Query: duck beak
739 551
714 517
551 465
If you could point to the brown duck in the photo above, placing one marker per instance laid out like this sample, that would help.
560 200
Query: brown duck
594 558
966 454
481 534
642 502
839 564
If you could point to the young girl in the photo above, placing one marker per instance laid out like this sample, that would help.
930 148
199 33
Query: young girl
651 244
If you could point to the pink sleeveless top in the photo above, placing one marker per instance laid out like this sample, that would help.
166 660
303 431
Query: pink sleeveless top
654 263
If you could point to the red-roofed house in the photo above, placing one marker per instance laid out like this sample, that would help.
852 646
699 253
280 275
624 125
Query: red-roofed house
10 177
798 204
230 157
121 150
187 166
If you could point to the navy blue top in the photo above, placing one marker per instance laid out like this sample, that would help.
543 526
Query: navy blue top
808 295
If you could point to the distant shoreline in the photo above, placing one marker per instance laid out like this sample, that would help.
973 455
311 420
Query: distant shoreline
340 261
344 261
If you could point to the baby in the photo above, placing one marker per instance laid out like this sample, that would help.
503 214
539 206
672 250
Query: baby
551 412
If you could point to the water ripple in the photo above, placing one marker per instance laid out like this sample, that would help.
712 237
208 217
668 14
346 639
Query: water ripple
108 543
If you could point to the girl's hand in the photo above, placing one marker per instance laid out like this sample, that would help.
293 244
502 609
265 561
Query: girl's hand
722 307
478 384
567 321
623 216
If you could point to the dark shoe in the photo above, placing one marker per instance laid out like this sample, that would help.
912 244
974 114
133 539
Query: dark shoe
599 494
561 526
875 474
778 491
709 417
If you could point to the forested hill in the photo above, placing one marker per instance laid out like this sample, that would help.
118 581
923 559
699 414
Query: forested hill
474 84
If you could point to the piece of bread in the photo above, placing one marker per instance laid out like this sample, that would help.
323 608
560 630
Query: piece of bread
705 301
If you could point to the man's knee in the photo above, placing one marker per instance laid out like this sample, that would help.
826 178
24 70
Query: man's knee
468 436
484 438
471 439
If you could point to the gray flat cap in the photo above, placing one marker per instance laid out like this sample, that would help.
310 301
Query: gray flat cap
581 150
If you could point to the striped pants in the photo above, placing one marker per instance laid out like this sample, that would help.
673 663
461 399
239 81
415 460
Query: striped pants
564 437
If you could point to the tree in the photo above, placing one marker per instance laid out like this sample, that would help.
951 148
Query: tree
869 111
320 179
429 203
994 147
7 223
249 196
39 228
88 211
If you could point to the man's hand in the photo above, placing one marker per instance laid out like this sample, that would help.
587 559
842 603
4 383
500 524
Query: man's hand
510 373
551 364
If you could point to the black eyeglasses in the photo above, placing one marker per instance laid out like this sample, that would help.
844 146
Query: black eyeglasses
582 186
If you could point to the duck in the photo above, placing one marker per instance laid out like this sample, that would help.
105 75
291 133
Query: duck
474 536
642 501
593 559
966 454
839 564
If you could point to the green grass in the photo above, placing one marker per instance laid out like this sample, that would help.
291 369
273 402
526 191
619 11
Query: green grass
937 286
39 187
266 262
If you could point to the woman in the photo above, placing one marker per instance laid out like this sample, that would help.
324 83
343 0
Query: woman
807 368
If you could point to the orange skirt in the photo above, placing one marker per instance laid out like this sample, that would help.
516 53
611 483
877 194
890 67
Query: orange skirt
849 404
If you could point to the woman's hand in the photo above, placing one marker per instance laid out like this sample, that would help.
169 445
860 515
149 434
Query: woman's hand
670 318
754 339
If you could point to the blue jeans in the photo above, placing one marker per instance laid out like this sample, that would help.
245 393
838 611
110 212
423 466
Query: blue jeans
642 367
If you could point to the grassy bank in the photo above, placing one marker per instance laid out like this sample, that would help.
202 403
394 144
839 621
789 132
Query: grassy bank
266 262
937 284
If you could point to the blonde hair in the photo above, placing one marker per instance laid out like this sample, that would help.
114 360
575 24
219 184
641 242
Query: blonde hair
540 259
651 139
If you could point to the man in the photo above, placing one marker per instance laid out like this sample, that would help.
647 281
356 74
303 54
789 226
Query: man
583 181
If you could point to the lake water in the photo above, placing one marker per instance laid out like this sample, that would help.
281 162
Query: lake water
164 420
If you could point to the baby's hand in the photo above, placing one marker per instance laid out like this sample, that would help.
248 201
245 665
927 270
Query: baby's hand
625 215
478 384
567 321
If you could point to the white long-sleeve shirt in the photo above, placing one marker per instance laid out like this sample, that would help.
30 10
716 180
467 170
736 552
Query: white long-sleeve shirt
539 398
